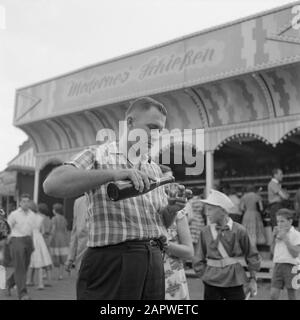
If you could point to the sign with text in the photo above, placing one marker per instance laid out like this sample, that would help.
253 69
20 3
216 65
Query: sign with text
254 44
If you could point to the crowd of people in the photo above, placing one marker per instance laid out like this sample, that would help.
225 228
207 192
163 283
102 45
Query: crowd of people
135 248
35 245
258 216
270 224
233 169
189 237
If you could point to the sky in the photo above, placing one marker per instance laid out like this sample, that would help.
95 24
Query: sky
40 39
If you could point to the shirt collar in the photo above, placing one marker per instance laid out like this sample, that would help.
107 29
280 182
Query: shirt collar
121 146
118 148
292 229
115 148
275 180
26 213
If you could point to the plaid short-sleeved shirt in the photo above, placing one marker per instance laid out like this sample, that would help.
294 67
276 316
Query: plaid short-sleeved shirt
112 222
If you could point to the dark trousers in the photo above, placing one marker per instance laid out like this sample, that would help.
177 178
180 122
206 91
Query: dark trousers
21 250
220 293
274 207
132 270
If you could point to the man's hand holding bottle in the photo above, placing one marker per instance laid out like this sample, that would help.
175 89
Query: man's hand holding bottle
142 182
132 183
140 179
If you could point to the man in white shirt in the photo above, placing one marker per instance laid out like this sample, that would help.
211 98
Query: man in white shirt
21 223
276 195
286 248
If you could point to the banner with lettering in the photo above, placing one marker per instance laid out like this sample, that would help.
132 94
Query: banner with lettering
265 41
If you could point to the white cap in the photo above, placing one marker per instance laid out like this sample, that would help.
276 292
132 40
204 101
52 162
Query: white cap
217 198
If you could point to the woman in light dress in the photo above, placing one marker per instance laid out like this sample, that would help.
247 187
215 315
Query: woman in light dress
46 232
197 221
47 223
59 243
250 205
179 248
40 257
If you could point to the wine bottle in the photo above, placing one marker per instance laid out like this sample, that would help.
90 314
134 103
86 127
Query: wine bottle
125 189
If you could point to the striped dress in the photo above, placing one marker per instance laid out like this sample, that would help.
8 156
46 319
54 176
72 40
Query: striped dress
59 244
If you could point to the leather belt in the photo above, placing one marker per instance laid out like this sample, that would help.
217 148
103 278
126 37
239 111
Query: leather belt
222 263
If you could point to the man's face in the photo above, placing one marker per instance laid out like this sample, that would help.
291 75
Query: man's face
151 119
279 175
25 203
215 214
283 223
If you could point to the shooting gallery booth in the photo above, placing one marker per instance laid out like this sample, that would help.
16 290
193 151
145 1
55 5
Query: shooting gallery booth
239 82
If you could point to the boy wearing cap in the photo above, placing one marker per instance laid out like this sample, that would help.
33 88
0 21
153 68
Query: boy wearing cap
222 246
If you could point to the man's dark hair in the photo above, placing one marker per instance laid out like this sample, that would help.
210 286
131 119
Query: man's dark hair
144 104
286 213
25 195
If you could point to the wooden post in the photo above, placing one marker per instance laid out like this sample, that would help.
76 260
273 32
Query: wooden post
36 186
209 157
7 204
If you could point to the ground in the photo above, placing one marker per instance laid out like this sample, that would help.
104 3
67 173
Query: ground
65 290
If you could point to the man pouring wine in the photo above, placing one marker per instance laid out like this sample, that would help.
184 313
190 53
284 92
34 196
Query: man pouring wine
123 259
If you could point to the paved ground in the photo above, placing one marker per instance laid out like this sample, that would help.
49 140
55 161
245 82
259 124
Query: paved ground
60 290
65 290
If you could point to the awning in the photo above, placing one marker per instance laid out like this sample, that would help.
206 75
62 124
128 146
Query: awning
8 182
21 169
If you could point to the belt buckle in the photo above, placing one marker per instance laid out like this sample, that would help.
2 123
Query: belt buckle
153 243
222 263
